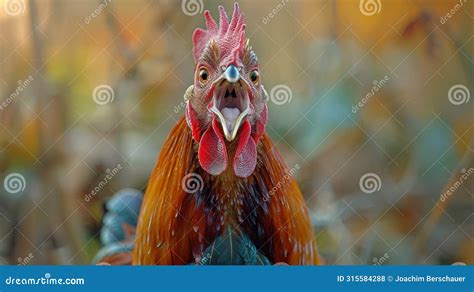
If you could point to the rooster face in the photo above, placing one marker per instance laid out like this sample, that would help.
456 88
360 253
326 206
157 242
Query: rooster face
226 105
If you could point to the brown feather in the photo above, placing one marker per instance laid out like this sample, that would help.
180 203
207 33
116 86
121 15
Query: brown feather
175 227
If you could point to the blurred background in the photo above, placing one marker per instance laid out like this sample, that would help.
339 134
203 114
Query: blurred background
370 105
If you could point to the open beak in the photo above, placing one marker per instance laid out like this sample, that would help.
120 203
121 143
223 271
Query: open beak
230 102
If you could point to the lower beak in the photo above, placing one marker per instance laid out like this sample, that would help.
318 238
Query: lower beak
231 105
231 119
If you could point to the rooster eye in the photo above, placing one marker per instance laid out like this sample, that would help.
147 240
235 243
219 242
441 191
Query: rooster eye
203 75
254 76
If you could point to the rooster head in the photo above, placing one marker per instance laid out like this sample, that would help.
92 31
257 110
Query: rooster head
226 106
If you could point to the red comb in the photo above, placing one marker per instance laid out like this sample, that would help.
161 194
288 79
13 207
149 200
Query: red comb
228 35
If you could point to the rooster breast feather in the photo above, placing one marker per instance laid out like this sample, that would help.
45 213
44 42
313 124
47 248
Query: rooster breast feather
264 214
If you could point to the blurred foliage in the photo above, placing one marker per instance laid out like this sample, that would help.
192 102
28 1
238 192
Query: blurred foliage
327 52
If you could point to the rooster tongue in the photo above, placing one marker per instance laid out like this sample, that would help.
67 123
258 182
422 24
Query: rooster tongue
230 117
245 158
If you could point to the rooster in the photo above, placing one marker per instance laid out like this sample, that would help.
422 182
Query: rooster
245 206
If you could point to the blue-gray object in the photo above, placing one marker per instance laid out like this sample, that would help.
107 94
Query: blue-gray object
122 208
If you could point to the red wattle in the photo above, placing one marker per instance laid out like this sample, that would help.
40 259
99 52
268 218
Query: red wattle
193 123
212 152
260 124
245 158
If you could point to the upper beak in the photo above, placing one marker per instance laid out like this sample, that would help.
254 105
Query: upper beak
232 74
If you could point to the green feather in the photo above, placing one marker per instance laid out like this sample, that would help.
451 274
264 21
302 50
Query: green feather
233 248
